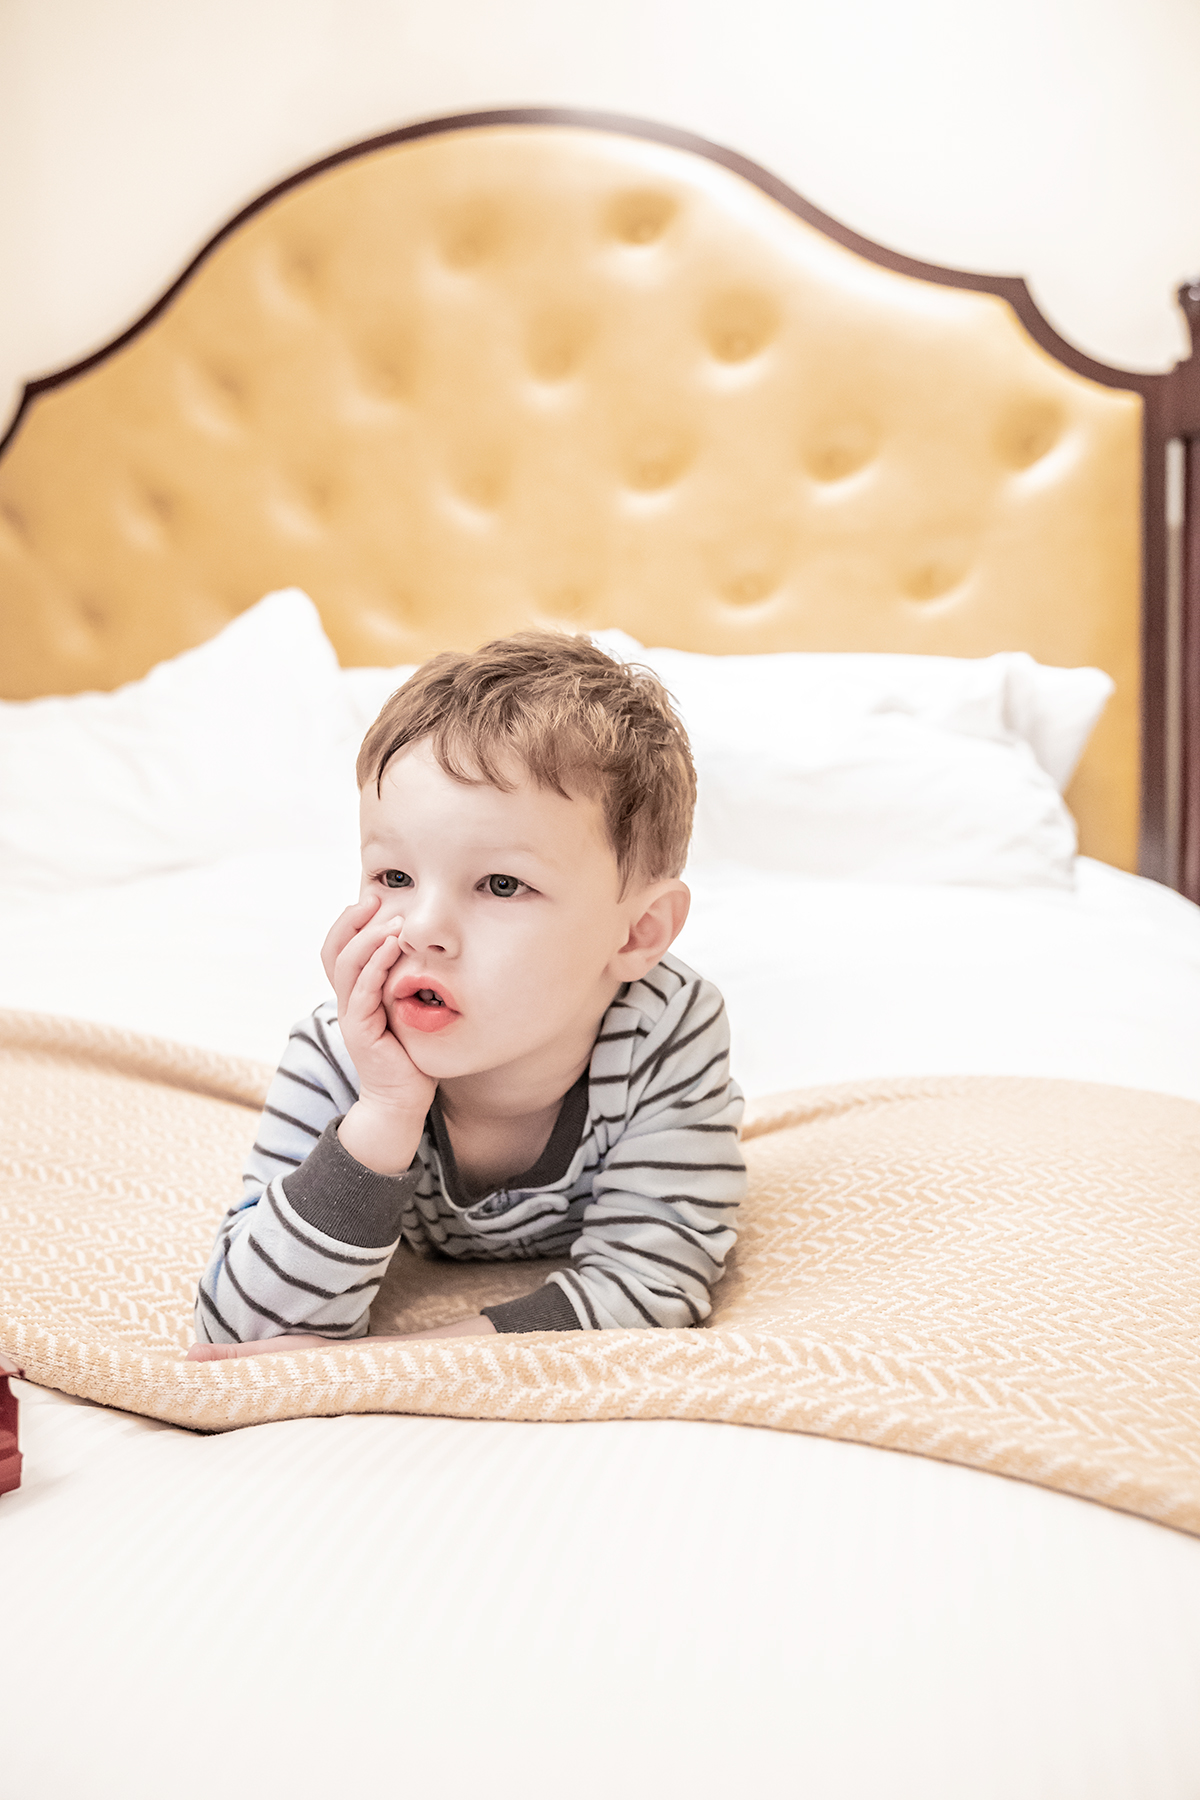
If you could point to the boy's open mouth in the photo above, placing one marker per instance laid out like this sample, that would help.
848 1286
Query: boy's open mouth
424 1007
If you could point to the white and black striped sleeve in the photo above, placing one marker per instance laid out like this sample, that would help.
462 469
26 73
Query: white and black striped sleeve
309 1242
665 1197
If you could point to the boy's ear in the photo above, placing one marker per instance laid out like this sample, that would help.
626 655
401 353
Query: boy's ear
659 916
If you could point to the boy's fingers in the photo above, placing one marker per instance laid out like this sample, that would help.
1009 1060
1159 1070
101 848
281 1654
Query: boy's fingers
355 956
365 993
260 1347
345 929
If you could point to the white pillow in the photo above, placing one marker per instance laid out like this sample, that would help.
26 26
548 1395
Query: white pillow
241 742
887 768
1054 710
886 799
1001 697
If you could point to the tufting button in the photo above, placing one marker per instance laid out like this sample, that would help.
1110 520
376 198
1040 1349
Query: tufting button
1028 432
556 344
300 505
479 477
747 589
299 267
383 621
15 525
210 397
568 601
640 216
840 451
747 579
386 365
148 516
935 577
229 383
750 567
472 235
738 326
213 396
91 612
161 505
282 278
657 461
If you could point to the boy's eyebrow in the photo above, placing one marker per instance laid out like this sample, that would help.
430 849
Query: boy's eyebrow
375 842
512 850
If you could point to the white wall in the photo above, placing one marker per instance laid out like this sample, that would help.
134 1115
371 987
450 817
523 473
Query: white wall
1059 139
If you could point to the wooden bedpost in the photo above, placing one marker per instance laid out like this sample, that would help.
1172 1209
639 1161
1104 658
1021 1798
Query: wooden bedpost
1177 445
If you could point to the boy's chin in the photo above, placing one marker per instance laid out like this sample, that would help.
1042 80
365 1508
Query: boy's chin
435 1056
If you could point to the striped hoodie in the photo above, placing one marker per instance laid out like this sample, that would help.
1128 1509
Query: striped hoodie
639 1184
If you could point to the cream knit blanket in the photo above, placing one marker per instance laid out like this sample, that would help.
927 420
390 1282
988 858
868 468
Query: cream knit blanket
992 1271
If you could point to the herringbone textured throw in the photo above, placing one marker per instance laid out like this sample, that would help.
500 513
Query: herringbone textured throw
992 1271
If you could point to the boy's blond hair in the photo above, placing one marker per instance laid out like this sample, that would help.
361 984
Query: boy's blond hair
576 719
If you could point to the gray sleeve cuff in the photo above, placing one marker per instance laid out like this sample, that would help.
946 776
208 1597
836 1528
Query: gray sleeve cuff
337 1195
546 1309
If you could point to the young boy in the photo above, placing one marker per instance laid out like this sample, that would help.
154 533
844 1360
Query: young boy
513 1066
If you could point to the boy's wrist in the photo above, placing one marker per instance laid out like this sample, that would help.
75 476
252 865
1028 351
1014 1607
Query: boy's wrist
379 1138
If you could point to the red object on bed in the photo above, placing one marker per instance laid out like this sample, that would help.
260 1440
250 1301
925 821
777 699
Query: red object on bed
10 1455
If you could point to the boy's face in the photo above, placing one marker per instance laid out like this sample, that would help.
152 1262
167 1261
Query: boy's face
513 919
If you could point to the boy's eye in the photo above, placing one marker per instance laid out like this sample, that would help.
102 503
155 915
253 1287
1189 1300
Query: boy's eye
503 886
396 878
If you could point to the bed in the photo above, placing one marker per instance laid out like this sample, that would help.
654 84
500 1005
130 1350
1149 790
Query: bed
914 568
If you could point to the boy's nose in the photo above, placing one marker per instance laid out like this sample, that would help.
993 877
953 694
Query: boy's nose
429 928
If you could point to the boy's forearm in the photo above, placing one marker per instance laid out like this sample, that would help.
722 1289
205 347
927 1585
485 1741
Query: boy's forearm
380 1138
309 1255
307 1250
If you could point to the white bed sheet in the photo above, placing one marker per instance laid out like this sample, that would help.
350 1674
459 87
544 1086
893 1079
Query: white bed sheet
446 1607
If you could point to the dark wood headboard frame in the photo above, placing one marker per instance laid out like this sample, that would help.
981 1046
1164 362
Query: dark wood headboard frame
1170 706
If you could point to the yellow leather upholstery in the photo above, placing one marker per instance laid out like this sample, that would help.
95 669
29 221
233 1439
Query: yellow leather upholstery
520 373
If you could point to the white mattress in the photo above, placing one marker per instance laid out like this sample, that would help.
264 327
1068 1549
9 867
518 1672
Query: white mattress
448 1608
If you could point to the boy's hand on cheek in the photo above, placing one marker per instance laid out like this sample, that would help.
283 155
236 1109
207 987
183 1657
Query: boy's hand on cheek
383 1128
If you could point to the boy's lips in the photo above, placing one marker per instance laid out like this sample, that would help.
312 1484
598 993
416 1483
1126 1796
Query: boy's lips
426 1005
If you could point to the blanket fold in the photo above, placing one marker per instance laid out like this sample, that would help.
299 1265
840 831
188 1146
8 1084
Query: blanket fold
994 1271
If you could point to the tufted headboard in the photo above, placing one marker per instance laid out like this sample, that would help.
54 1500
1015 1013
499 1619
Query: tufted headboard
524 367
